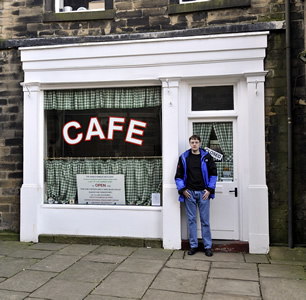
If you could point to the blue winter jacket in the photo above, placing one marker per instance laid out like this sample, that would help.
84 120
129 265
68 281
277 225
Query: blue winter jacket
209 172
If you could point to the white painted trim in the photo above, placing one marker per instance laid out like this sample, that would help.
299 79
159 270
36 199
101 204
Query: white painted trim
212 59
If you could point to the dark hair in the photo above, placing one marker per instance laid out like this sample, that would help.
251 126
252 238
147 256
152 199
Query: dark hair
195 137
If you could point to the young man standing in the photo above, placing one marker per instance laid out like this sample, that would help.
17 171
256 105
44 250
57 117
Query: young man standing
195 178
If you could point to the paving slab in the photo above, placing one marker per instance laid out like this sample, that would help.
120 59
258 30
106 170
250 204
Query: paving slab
63 290
230 257
7 247
106 258
234 274
113 250
288 254
124 284
230 265
55 263
188 265
214 296
10 266
29 253
79 250
282 262
282 271
26 281
256 258
152 253
178 280
98 297
179 254
87 271
12 295
152 294
233 287
48 246
283 289
140 265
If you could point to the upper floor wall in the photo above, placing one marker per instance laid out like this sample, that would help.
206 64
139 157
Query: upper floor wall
49 18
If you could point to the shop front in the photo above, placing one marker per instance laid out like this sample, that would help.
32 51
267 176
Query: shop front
104 124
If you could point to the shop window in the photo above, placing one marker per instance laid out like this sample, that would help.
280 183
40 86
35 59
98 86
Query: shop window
212 98
78 10
189 1
78 5
111 131
217 138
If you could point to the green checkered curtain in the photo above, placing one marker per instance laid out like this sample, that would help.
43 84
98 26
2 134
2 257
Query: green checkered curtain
224 133
203 130
142 177
81 99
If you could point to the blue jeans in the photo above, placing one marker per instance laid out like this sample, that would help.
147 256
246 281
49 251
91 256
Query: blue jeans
191 205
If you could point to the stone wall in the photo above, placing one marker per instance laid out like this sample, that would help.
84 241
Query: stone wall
23 23
10 138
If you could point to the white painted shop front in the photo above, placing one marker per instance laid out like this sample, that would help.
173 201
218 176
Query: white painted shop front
178 66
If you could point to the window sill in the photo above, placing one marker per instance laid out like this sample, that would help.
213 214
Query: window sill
79 16
203 6
103 207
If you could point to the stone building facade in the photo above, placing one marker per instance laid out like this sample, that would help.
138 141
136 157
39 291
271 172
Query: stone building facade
31 23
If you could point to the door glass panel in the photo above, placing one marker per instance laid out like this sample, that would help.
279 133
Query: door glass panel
217 138
212 98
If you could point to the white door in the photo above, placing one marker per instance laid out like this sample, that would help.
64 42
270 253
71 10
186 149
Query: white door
220 135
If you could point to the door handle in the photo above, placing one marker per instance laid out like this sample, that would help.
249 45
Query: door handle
235 191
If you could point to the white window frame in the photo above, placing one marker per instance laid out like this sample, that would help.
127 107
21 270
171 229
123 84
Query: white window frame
59 5
193 1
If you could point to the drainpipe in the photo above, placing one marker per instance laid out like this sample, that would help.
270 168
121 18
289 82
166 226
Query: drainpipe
289 108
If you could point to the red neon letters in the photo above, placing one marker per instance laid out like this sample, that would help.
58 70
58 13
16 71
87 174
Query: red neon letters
94 129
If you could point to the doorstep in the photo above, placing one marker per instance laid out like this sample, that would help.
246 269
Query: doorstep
229 246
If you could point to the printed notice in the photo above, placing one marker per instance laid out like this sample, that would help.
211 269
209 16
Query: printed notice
101 189
155 199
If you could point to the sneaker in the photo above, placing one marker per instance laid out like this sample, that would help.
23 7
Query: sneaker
192 251
208 252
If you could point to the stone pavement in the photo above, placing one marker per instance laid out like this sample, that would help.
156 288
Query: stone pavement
93 272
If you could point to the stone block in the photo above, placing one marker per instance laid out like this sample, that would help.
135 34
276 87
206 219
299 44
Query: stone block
138 22
9 266
77 249
152 294
55 263
114 250
281 289
282 271
87 271
153 243
150 253
233 287
188 265
178 280
139 265
128 285
55 289
150 4
239 274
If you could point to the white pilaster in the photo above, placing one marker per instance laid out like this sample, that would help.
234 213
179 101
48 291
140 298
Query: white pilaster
171 205
257 189
32 187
